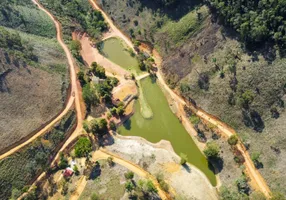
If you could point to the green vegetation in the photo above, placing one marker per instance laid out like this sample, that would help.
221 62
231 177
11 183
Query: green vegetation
184 159
98 70
212 150
256 21
129 175
77 15
19 169
83 147
75 47
12 43
242 185
227 194
163 185
23 15
232 140
195 120
99 127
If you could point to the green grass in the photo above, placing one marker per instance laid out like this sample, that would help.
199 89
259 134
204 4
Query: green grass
19 169
181 30
36 22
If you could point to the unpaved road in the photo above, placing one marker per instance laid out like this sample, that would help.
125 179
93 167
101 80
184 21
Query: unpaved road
103 155
224 129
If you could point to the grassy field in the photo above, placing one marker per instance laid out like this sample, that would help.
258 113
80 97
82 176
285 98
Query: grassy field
34 92
19 169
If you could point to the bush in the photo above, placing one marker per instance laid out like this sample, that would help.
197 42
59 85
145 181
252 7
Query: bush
112 125
110 161
242 185
212 150
151 187
184 159
232 140
83 147
63 162
129 186
195 120
94 196
129 175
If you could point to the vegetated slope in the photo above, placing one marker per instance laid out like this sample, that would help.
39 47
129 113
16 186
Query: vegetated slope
76 16
33 72
19 170
206 62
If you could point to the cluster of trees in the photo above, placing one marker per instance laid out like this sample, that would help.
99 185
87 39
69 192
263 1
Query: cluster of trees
94 93
256 21
90 20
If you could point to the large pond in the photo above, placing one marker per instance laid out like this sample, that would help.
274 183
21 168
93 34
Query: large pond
163 125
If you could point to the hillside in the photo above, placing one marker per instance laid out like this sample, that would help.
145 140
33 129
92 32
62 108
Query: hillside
33 71
209 62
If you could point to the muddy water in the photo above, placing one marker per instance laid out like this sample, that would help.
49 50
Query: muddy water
164 124
115 50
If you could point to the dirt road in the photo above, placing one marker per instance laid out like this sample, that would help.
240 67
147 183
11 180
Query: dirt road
224 129
103 155
75 91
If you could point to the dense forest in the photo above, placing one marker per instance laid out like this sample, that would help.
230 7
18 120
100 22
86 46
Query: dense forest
256 21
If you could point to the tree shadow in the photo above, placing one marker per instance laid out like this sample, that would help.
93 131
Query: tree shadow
127 124
95 172
187 168
216 165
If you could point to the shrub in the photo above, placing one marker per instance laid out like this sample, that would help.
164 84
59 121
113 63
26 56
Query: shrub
195 120
129 186
212 150
232 140
94 196
83 147
184 159
242 185
129 175
63 162
110 161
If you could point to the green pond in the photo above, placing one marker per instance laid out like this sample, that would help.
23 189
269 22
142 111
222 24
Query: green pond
115 50
163 125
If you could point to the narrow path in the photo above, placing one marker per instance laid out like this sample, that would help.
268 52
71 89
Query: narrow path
224 129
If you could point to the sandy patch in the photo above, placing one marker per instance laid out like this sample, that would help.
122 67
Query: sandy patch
188 182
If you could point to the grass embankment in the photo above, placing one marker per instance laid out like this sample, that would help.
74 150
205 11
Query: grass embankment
19 169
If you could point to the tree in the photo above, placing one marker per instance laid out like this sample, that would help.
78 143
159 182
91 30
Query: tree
98 70
89 96
110 161
83 147
102 124
242 185
75 46
120 110
112 125
129 175
75 169
255 158
80 77
212 150
129 186
63 162
184 159
94 126
232 140
151 187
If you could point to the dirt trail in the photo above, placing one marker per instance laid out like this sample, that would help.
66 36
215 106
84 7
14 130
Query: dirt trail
75 91
224 129
103 155
79 189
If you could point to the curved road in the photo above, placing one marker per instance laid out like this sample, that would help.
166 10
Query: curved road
224 129
103 155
